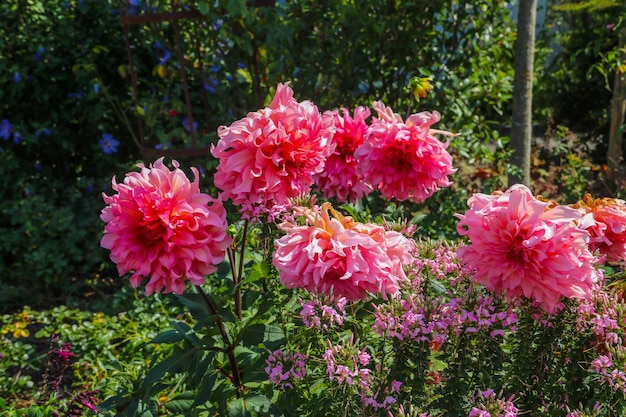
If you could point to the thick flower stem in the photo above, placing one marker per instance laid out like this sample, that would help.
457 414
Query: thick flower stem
236 269
238 301
230 348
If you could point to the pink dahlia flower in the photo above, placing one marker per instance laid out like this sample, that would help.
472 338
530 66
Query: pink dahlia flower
522 246
340 257
404 160
272 154
159 225
340 178
605 219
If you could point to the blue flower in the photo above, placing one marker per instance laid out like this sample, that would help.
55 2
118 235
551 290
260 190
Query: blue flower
215 68
241 65
17 77
17 137
96 88
5 129
78 95
108 143
166 56
187 127
210 84
40 131
217 25
39 54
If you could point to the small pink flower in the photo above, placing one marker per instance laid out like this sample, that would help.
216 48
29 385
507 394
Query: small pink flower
341 257
521 246
601 363
340 177
272 154
404 160
159 225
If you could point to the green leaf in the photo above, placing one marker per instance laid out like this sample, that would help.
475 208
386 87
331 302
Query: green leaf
203 8
261 334
168 364
181 403
187 333
437 365
168 336
196 305
263 405
205 389
237 408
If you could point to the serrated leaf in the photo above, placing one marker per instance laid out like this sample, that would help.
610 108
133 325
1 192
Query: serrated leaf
168 364
181 403
205 389
262 404
237 408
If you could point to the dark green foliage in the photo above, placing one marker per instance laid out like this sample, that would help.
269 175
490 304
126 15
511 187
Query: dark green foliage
568 88
65 81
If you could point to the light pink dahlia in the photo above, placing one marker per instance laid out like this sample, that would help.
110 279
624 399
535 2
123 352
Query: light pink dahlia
522 246
272 154
403 160
159 225
605 219
340 257
340 178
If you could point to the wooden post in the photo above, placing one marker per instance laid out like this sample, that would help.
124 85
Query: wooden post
616 133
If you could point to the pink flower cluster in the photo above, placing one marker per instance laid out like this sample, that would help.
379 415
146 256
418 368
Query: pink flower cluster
341 178
487 404
283 368
346 365
272 154
522 246
403 160
159 225
605 219
485 316
340 257
422 318
602 315
318 314
415 317
429 320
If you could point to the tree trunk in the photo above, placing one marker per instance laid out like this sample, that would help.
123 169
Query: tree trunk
616 134
521 126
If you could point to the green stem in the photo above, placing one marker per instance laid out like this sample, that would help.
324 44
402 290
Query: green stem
230 348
